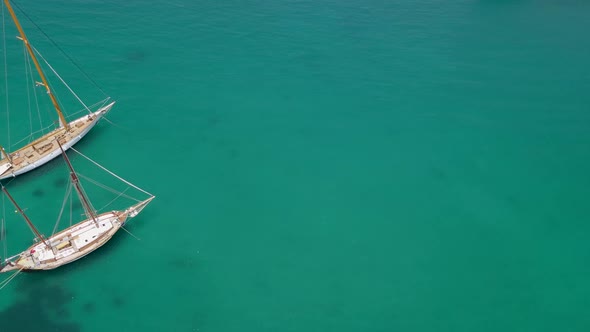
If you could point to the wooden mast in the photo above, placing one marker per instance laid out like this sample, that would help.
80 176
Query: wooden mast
62 119
33 228
87 207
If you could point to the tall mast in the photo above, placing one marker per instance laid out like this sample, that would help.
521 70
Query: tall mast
62 119
33 228
87 207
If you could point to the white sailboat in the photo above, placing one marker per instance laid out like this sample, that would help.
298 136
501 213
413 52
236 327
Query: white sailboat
43 149
77 240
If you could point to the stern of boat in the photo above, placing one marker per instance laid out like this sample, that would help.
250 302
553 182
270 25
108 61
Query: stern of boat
22 263
7 267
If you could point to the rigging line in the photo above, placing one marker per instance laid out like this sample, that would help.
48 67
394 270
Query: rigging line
6 76
128 232
63 205
71 208
85 194
60 78
114 199
57 97
3 234
111 173
93 106
33 134
28 89
9 279
3 239
59 48
35 93
73 115
12 257
107 188
104 117
50 87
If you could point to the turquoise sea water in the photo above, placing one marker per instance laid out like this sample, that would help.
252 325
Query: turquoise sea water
325 166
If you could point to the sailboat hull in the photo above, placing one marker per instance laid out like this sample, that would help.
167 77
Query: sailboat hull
44 149
73 242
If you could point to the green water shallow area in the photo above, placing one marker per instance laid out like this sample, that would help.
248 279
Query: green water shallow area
317 165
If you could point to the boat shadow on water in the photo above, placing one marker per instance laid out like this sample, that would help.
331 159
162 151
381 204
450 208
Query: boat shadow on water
48 301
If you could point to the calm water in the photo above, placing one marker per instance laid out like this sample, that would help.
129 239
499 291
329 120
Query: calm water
326 166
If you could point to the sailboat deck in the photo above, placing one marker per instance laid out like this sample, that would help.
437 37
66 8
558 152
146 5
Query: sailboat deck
46 148
72 243
37 149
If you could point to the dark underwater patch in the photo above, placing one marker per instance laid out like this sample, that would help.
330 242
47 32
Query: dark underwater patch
61 182
136 55
34 311
213 120
89 307
38 193
118 302
182 263
438 173
76 205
